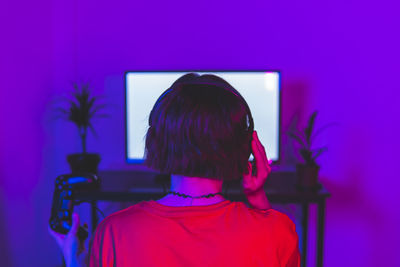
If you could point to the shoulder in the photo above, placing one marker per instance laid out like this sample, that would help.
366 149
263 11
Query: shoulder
129 216
109 232
269 220
270 216
281 223
273 220
277 217
279 226
284 231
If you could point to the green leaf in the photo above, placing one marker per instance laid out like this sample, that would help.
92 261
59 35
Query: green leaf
306 154
310 125
93 130
317 152
82 107
96 109
297 138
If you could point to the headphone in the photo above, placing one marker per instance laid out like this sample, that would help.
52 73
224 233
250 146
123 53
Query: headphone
206 79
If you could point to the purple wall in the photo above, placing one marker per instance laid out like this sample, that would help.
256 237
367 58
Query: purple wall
339 57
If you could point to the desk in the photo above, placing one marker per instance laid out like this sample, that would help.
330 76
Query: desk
144 185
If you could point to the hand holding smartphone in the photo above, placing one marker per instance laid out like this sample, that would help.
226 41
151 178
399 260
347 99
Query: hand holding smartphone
72 247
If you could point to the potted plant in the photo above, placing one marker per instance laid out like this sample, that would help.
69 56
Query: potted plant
308 169
81 109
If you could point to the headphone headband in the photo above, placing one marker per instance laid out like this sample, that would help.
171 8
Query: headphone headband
206 79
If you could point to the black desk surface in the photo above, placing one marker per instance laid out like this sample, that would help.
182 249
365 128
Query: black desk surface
144 185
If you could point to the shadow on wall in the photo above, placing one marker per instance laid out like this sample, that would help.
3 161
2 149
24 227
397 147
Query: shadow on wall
5 254
353 216
294 96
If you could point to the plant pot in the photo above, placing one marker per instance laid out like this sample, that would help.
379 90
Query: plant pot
307 177
84 163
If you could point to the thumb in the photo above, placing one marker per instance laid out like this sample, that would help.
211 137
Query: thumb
249 169
75 225
57 236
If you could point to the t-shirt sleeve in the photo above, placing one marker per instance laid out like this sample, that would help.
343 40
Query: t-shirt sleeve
102 251
289 248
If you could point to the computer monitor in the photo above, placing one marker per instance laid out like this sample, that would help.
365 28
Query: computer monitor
260 89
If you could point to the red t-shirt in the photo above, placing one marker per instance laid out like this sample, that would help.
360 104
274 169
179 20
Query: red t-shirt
223 234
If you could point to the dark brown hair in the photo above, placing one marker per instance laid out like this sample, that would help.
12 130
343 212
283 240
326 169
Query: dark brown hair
200 127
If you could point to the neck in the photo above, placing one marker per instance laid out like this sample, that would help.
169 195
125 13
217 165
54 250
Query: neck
193 186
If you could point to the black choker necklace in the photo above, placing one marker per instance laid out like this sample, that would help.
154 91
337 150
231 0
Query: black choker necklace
187 196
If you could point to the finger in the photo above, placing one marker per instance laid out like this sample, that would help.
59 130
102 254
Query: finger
263 153
57 236
249 169
247 178
261 148
82 247
261 162
263 168
75 225
54 233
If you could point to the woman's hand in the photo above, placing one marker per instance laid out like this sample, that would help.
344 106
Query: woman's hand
253 185
72 248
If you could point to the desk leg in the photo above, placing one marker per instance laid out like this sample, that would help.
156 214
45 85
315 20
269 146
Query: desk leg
94 216
304 233
321 220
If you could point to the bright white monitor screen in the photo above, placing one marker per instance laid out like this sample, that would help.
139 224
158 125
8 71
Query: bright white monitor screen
260 89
